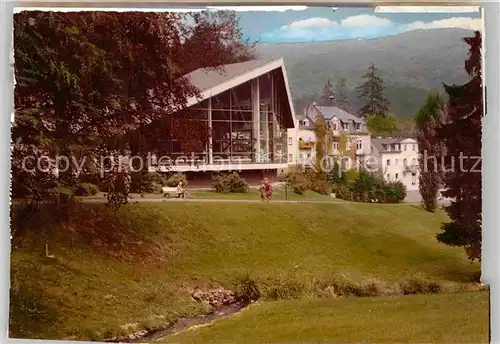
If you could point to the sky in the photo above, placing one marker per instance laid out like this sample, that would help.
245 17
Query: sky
326 23
291 24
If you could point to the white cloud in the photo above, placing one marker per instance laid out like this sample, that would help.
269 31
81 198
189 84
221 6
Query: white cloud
259 8
365 20
458 22
310 23
358 27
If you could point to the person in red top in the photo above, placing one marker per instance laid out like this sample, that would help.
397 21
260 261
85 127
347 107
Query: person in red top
268 191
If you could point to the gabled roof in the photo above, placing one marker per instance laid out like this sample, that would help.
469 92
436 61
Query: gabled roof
332 111
213 81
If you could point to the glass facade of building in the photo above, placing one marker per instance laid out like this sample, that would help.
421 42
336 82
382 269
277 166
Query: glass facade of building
246 125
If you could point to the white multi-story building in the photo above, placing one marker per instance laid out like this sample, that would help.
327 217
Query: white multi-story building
395 157
302 138
398 159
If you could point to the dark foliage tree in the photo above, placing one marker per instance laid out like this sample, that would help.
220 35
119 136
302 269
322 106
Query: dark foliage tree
213 39
428 120
371 94
461 135
93 84
328 96
341 99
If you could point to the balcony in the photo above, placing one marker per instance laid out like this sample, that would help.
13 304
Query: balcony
306 145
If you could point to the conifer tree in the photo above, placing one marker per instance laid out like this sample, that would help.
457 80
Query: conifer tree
328 94
428 121
461 135
341 99
371 94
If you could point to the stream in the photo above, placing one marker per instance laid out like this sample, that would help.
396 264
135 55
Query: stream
182 324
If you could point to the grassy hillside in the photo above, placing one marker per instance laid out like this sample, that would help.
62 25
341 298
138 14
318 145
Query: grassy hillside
410 63
137 265
448 318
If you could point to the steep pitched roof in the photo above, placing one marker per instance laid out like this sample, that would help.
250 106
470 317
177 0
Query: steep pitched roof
206 78
213 81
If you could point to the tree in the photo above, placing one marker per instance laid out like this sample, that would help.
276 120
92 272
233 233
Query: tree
93 84
320 179
428 120
217 37
341 98
382 125
328 94
371 94
461 134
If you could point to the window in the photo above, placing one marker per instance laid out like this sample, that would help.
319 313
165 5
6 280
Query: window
414 162
404 147
309 156
334 126
359 145
388 176
306 122
335 145
413 179
290 157
346 126
396 176
358 126
414 147
289 141
388 162
405 161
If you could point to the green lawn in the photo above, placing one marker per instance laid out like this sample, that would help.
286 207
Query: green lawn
135 266
444 318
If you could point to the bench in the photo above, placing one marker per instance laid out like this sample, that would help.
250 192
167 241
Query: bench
167 191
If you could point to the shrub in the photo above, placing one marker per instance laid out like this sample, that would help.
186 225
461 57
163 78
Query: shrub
344 192
321 186
349 176
247 289
176 178
230 182
395 192
298 181
286 287
419 285
86 189
62 193
369 186
146 182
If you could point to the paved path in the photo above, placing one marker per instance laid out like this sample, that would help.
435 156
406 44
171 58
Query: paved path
216 200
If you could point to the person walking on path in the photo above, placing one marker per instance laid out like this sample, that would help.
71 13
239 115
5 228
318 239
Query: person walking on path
268 190
262 189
